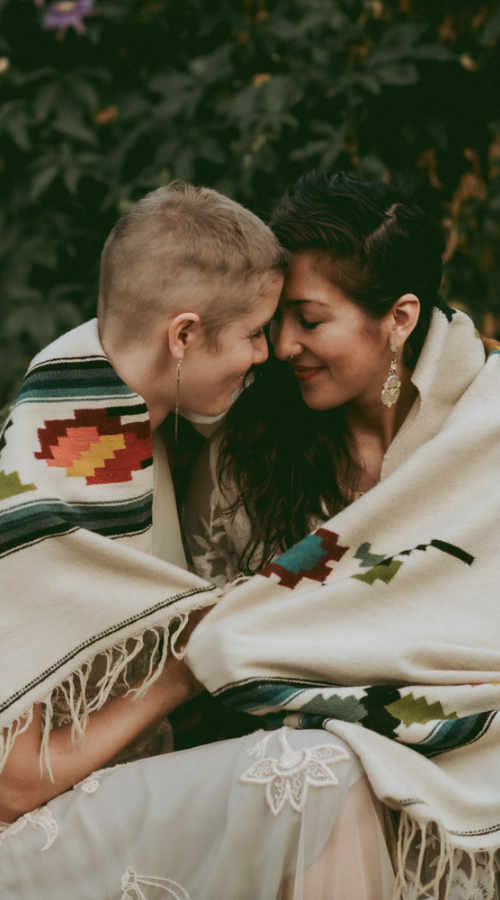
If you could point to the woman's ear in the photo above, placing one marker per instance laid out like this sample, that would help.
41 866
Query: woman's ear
181 331
405 313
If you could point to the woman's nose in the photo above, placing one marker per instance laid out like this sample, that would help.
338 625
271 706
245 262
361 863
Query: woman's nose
285 343
261 352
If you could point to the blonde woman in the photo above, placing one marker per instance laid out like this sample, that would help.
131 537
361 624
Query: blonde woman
97 602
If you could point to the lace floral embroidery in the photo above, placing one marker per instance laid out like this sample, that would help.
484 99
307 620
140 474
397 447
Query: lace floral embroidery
482 885
132 890
92 782
470 878
41 817
288 777
482 875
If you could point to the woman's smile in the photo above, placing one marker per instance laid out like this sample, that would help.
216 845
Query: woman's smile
305 373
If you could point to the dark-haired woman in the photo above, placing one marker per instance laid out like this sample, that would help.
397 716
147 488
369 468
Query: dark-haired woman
384 614
309 437
259 817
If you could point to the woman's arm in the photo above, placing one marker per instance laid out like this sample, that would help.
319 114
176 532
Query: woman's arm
109 731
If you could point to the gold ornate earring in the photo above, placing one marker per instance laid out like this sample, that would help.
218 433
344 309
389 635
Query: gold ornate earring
392 387
177 394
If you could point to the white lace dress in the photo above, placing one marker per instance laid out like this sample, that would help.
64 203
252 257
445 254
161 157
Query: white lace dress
261 817
267 816
215 542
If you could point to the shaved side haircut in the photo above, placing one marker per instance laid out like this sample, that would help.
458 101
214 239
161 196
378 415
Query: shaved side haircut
184 248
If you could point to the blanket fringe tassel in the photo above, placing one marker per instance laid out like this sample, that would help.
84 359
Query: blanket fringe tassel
429 867
80 702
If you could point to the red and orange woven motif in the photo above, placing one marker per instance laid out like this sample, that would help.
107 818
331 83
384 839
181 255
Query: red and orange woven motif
96 445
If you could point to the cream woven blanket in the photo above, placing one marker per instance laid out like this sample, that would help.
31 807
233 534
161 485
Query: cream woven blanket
77 574
383 626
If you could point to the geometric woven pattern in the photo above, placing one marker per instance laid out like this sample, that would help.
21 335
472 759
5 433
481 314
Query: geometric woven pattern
96 445
11 485
385 568
40 518
307 559
410 709
386 709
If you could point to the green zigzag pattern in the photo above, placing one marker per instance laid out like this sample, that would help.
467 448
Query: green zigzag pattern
412 709
348 709
381 572
11 485
368 559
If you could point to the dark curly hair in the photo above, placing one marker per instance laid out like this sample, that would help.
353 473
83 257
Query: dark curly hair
373 242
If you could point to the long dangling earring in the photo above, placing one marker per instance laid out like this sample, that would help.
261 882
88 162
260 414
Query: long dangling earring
392 387
177 394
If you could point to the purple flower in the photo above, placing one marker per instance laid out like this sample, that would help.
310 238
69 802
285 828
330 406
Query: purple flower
67 14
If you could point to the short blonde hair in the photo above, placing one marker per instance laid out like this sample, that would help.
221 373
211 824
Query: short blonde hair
184 248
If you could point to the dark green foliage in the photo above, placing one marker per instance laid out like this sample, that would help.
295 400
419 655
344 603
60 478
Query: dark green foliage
242 95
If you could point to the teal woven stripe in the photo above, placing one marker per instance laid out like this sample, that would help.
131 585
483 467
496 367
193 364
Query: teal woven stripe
72 379
36 519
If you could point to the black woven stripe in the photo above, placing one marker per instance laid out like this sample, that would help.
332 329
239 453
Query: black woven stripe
43 519
108 632
53 530
78 363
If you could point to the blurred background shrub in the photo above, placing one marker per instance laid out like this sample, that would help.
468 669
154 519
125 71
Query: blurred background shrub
103 101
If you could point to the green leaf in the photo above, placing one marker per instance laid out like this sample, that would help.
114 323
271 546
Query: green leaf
494 202
308 151
76 129
133 105
113 11
97 72
20 78
403 35
71 178
166 82
46 257
491 30
22 293
438 52
370 82
184 164
42 180
438 133
211 150
67 312
17 126
401 75
166 152
45 100
215 66
86 93
276 94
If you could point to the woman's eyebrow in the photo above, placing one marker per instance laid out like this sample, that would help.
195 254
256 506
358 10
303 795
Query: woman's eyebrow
288 302
264 324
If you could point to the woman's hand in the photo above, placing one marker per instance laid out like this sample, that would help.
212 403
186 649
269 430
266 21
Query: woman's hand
109 731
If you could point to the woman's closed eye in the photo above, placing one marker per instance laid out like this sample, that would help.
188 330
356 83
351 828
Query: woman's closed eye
305 323
257 334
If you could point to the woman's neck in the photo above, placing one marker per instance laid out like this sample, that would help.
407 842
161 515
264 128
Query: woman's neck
146 371
371 429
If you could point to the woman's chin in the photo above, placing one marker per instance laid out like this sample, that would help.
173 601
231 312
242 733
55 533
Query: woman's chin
319 403
313 399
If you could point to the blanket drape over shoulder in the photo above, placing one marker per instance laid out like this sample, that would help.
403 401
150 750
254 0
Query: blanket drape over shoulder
78 578
383 626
